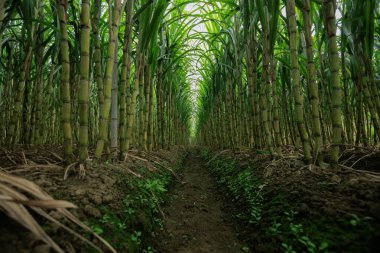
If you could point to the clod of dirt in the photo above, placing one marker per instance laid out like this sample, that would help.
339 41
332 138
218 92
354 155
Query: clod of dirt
96 199
107 199
108 180
335 179
92 211
79 192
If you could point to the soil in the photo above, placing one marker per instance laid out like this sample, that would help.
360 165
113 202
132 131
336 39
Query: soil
194 217
100 192
338 206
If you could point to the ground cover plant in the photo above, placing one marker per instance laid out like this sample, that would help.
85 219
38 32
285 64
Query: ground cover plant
285 207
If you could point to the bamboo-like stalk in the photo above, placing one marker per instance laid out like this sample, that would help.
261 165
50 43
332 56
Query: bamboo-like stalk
132 107
312 83
83 95
125 77
39 53
7 95
251 84
97 52
347 107
276 116
264 83
160 106
49 98
147 91
298 99
114 103
151 119
142 107
336 96
65 80
107 81
18 103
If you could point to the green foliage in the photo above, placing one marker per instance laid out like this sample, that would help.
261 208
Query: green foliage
245 249
357 221
281 221
297 239
275 228
206 154
240 183
134 223
97 229
300 234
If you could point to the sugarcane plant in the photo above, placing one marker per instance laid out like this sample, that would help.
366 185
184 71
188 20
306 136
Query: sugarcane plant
151 74
309 73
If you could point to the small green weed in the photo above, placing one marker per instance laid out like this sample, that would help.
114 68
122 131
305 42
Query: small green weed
97 229
356 220
149 249
241 184
140 208
297 239
275 228
245 249
136 237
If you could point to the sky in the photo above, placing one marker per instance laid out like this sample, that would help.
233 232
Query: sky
194 74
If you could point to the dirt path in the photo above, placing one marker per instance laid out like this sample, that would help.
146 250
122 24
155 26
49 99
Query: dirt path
194 220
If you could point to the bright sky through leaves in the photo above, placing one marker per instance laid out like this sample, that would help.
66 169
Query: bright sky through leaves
194 76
